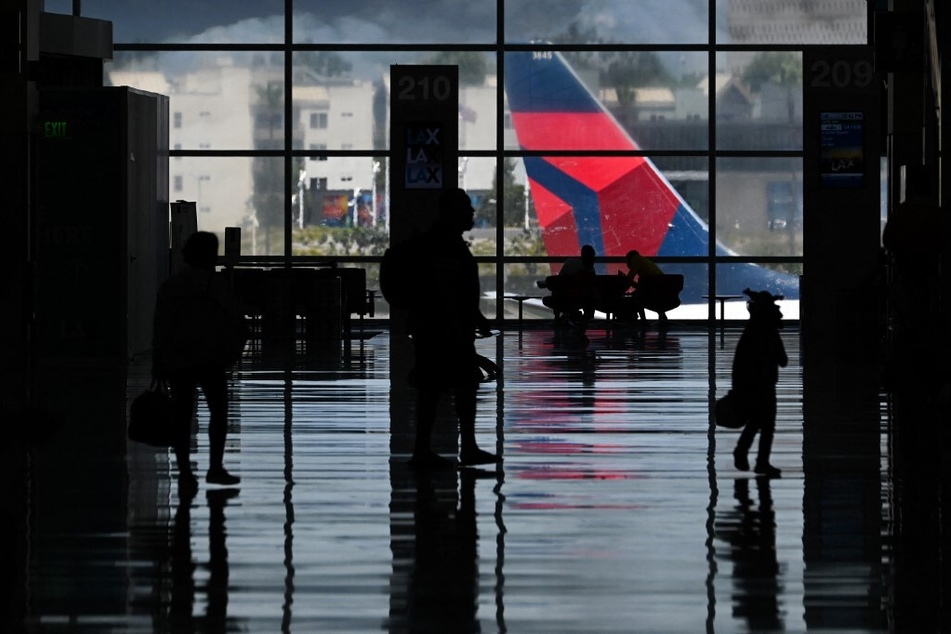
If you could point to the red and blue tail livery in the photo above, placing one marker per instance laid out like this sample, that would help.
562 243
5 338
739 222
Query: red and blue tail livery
615 203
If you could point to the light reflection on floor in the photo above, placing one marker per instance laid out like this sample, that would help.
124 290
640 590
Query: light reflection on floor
617 508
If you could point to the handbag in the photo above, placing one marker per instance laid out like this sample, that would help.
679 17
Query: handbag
150 416
726 414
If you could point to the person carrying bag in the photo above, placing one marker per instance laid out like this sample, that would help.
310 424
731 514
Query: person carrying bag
759 355
199 333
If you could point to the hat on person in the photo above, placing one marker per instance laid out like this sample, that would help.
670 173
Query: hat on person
762 303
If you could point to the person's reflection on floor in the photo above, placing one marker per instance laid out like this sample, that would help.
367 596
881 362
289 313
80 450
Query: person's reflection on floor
216 611
182 599
750 532
444 582
181 616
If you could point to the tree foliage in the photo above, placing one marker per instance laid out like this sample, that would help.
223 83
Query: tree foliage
623 70
513 197
783 68
472 65
324 63
627 70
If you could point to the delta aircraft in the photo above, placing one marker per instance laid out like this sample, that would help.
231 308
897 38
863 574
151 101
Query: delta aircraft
614 203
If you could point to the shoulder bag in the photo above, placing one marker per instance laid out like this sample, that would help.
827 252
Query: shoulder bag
150 416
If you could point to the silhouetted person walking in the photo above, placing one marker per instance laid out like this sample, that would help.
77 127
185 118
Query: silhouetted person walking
199 333
443 326
759 355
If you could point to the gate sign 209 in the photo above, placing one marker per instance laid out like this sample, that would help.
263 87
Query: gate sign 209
424 156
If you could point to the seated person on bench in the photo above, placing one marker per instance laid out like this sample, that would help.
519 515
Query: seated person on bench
577 288
638 268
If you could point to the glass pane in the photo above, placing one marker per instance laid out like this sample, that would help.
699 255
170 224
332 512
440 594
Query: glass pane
345 21
338 207
185 22
630 22
234 192
693 304
487 286
624 100
478 121
337 192
522 279
267 206
777 279
784 22
759 206
217 101
759 103
334 109
613 203
477 177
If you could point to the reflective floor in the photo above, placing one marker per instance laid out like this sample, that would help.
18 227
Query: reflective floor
616 509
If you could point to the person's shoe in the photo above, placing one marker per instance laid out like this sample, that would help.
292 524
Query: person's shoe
767 470
740 461
476 457
187 485
220 476
430 461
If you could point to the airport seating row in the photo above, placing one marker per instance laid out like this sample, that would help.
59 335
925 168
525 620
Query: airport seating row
314 304
609 294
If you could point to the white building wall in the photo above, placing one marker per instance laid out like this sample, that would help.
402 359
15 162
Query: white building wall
477 131
349 110
213 108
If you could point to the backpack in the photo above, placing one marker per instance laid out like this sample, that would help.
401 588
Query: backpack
400 273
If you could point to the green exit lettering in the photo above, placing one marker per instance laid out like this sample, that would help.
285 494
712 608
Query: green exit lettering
54 129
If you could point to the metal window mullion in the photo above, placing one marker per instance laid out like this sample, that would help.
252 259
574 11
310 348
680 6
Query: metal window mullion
499 258
711 160
288 158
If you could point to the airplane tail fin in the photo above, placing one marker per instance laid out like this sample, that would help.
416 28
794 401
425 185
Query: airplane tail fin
615 203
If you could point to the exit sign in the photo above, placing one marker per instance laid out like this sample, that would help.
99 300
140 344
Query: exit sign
53 130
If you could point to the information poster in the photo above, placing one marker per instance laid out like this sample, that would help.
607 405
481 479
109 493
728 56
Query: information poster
841 150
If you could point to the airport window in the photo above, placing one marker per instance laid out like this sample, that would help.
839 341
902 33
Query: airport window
706 107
